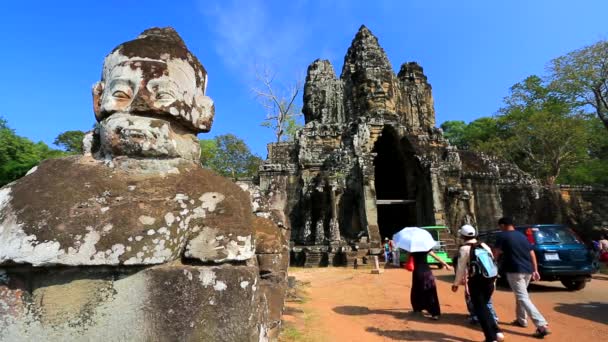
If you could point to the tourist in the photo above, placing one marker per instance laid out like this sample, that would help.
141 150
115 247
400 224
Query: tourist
603 248
519 264
467 299
388 250
478 289
424 291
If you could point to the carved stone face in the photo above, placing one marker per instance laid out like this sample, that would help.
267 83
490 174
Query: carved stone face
151 99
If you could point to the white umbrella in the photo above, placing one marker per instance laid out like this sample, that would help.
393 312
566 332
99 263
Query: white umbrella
414 239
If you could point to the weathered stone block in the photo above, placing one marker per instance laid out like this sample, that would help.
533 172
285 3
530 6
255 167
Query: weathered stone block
78 211
162 303
269 237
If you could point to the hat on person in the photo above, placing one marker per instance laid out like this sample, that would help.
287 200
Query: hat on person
467 230
385 239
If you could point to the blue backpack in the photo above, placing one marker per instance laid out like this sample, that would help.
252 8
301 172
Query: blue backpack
482 263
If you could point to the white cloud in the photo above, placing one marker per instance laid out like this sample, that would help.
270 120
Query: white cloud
249 33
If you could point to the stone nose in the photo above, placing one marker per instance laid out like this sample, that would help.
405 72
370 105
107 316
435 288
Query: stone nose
143 102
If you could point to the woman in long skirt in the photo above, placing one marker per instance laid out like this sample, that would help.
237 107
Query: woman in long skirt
424 291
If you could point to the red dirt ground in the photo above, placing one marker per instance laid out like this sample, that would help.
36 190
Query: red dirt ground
354 305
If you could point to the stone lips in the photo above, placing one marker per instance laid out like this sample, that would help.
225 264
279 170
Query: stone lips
76 211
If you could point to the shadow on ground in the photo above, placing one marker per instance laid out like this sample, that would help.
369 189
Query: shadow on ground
555 286
364 310
593 311
415 335
403 314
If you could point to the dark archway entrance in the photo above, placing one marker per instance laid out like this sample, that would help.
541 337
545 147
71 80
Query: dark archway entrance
395 183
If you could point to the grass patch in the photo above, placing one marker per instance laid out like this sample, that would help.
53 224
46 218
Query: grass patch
289 333
302 327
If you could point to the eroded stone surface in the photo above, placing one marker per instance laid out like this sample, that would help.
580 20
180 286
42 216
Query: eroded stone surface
77 211
93 247
163 303
370 161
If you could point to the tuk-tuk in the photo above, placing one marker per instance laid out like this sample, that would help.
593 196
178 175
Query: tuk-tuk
439 233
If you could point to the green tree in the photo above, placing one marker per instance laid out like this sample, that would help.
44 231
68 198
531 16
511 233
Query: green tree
3 123
70 141
18 154
592 170
229 156
583 75
454 131
209 150
481 134
541 130
292 126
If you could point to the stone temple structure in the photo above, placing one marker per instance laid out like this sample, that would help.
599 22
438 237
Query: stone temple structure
135 241
370 161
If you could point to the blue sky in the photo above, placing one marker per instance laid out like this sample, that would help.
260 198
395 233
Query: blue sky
472 51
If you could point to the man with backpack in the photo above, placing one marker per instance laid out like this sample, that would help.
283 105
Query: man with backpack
519 263
476 266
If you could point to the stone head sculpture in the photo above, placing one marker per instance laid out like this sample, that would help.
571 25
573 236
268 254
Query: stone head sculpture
151 102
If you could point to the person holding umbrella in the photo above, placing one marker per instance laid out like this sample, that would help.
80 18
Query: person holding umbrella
420 243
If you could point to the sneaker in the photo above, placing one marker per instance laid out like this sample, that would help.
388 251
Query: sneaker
434 318
500 336
541 332
517 323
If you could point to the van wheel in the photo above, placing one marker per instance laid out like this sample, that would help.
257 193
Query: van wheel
574 284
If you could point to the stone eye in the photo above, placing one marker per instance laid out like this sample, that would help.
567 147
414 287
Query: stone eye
121 95
163 95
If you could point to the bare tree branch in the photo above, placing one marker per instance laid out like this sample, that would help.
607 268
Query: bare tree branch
278 101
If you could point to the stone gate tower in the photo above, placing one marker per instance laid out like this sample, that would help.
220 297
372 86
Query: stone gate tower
370 161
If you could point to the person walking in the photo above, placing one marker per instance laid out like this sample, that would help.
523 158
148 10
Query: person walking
388 250
519 264
479 287
467 298
424 290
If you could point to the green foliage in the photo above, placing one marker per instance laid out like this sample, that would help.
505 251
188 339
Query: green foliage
291 127
483 134
543 132
454 131
582 76
209 150
70 141
229 156
18 154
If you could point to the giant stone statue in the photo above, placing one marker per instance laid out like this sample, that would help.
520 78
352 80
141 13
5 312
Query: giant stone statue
135 240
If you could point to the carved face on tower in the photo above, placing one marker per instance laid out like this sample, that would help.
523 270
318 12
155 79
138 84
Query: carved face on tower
151 99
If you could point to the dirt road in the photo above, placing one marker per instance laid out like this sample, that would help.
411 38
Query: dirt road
354 305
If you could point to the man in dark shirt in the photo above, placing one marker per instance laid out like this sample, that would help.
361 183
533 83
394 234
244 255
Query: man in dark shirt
519 264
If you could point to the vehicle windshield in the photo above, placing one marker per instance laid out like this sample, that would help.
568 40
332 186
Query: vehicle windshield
556 235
